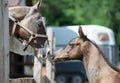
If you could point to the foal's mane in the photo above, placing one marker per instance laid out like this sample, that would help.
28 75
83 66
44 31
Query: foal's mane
108 62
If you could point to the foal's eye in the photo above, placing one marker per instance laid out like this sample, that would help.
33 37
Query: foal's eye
74 44
71 44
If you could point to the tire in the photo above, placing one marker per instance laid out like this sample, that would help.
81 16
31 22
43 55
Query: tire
61 79
77 79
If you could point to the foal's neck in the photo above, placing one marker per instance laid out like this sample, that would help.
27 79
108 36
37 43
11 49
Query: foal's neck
95 63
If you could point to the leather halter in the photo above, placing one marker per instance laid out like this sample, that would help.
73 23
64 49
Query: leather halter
32 37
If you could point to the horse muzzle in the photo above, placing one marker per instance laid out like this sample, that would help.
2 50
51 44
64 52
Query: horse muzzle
44 52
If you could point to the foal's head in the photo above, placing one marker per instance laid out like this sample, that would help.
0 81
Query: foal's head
74 49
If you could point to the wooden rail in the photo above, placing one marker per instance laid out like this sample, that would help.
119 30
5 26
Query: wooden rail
30 80
22 80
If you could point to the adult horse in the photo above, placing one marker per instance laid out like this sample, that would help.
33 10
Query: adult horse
97 67
26 24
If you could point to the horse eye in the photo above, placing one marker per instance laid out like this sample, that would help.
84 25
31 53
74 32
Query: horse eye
77 43
71 44
39 24
74 44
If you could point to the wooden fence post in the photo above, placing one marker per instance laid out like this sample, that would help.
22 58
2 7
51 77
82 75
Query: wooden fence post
4 42
49 64
37 69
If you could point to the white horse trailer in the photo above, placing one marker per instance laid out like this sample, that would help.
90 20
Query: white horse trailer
102 36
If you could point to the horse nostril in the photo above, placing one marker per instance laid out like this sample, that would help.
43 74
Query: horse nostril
49 53
44 56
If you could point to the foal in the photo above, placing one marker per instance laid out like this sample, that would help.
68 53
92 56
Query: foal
97 67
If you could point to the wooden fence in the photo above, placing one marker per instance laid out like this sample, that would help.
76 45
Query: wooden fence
4 42
22 80
49 77
30 80
4 54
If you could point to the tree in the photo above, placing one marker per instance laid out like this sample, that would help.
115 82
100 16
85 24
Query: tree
78 12
114 13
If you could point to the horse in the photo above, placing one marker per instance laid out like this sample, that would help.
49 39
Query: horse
27 25
97 67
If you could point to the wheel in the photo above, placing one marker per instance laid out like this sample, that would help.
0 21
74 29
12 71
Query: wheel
61 79
77 79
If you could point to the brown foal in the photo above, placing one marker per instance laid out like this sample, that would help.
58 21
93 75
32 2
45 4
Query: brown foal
97 67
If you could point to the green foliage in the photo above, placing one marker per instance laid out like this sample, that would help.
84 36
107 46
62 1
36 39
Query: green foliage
78 12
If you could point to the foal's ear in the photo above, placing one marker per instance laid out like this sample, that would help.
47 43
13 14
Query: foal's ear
80 31
38 4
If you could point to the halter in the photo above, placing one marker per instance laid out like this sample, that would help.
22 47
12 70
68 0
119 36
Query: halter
32 37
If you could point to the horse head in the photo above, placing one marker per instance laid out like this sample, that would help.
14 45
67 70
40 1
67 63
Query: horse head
27 24
74 49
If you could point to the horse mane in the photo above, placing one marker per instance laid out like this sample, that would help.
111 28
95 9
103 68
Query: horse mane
106 59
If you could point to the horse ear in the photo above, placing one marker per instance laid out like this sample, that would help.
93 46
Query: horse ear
80 31
38 4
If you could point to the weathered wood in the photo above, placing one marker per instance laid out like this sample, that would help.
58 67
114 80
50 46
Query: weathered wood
37 69
22 80
49 65
4 42
17 47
